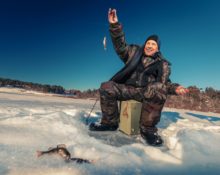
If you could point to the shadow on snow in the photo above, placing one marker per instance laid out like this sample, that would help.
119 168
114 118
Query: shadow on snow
203 117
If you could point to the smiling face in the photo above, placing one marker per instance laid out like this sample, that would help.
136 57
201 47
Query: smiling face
150 48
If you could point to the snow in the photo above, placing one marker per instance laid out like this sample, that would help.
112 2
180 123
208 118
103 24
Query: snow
37 121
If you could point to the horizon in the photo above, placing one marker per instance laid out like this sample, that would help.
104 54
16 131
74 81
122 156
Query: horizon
201 89
60 42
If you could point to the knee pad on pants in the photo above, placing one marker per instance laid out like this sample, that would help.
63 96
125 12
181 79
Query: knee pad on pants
107 88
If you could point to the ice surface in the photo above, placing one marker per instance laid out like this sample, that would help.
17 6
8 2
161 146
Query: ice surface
31 121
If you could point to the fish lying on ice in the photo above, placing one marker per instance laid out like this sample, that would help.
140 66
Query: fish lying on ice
62 151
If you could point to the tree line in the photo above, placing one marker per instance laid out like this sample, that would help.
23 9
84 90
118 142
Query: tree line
198 100
32 86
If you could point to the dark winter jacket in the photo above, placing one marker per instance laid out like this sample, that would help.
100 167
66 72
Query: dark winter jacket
139 70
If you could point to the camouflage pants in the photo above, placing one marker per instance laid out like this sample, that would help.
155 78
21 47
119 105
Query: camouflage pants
152 97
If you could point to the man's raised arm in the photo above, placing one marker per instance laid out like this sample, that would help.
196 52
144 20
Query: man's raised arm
118 37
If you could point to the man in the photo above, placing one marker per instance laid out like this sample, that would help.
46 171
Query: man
145 78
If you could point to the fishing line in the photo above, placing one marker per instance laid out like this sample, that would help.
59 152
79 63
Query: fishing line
87 119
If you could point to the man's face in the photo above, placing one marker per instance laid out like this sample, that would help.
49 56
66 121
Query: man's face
150 48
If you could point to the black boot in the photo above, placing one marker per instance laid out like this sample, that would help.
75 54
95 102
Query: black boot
102 127
152 138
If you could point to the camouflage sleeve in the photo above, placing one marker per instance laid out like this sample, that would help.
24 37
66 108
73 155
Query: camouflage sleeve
171 88
120 45
166 71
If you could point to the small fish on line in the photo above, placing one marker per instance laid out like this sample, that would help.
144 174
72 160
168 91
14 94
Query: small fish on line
105 43
62 151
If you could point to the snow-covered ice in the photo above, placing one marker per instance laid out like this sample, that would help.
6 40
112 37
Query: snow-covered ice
32 121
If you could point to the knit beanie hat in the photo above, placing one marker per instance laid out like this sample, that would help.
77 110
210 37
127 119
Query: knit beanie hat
154 38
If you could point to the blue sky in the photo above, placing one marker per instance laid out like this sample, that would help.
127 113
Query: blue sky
60 42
